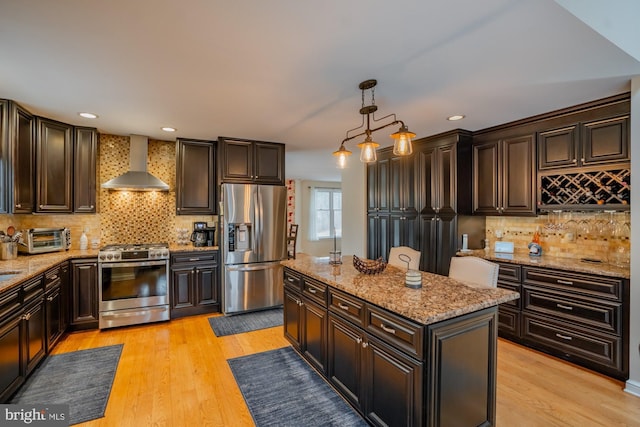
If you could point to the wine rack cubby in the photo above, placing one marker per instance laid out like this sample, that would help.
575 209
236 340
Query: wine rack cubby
585 190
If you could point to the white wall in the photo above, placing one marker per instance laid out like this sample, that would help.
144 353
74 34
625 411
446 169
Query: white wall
633 384
354 208
303 202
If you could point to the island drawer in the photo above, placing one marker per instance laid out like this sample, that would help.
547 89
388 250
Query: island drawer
584 284
515 303
347 306
596 350
395 330
601 314
292 279
314 290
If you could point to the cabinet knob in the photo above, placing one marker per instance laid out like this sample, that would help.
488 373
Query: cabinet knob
49 299
358 340
27 316
365 344
91 207
18 205
41 206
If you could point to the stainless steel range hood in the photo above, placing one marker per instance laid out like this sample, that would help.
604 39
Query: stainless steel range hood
137 178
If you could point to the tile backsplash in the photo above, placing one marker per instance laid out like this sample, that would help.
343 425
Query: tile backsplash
568 235
123 216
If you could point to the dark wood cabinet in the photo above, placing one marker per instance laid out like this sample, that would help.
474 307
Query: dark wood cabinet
84 294
195 177
509 313
378 239
54 172
402 194
23 162
305 317
5 158
12 349
85 155
35 335
438 243
195 285
504 175
378 185
589 143
381 382
248 161
56 282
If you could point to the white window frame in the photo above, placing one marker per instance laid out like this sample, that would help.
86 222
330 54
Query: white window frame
337 228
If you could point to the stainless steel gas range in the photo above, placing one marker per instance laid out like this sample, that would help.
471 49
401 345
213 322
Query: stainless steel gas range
133 284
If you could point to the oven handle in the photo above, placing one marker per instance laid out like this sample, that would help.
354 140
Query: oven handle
132 263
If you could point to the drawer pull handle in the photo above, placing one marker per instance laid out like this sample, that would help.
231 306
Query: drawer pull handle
194 259
564 337
387 329
566 307
290 280
343 306
565 282
54 277
312 291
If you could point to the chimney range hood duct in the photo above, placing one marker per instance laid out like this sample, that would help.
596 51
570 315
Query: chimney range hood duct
137 178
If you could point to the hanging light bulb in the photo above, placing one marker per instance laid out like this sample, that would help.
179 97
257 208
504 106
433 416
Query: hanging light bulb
341 156
368 150
402 141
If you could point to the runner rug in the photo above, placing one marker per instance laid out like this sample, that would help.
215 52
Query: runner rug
281 389
238 323
81 379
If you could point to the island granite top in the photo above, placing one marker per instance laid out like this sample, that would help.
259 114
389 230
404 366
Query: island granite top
440 297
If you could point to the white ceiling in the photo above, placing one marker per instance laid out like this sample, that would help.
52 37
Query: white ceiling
288 70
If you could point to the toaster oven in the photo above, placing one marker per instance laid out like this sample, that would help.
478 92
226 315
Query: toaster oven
41 240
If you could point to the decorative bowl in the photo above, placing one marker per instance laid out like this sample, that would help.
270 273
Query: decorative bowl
369 266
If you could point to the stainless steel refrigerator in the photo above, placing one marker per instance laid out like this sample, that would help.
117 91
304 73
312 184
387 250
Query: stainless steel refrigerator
253 244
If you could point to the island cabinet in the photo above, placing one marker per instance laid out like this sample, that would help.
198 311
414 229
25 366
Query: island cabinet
84 294
195 285
305 317
251 162
504 173
195 177
509 313
395 371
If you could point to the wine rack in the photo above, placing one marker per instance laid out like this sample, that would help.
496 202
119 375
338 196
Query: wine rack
585 189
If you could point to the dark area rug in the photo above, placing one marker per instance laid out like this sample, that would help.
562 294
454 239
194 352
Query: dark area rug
281 389
238 323
82 379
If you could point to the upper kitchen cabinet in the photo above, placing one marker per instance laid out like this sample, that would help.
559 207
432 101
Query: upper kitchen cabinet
4 157
504 173
252 162
195 177
592 143
21 137
54 156
84 170
443 173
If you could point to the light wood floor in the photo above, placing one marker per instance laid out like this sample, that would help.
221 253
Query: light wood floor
175 374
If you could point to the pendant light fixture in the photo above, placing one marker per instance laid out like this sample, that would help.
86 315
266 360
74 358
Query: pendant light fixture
402 138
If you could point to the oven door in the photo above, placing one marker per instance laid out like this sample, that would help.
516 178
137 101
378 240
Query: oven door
133 284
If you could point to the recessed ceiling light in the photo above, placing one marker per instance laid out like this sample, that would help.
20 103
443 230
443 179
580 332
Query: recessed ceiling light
88 115
456 117
168 129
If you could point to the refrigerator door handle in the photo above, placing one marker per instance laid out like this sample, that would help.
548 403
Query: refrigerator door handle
251 267
257 221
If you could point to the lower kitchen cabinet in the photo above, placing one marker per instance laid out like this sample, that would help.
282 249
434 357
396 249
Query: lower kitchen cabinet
383 383
12 349
305 319
84 294
581 318
56 283
195 285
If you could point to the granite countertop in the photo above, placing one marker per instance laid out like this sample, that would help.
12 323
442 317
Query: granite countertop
569 264
440 297
29 266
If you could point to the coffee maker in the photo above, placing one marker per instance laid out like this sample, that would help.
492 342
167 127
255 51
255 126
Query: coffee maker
200 234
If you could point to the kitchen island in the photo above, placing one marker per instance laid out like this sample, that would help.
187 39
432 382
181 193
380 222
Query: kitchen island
400 356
